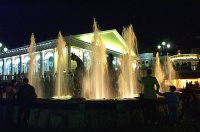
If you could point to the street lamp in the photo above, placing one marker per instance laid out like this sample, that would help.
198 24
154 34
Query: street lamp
163 47
3 48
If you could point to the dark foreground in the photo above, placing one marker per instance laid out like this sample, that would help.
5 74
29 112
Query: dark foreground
98 115
187 126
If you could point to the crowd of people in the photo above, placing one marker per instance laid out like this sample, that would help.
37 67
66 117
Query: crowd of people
24 94
191 85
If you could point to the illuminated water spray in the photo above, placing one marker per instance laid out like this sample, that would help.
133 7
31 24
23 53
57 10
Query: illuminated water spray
171 72
159 74
172 75
96 82
31 51
34 78
128 85
61 86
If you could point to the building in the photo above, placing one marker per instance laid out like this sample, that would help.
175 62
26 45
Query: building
16 61
186 67
146 60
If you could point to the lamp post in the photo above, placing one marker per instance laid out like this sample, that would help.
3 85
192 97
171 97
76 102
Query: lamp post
163 47
3 48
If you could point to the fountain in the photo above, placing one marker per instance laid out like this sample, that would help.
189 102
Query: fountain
96 81
34 78
93 113
31 51
128 77
61 90
172 75
159 74
171 71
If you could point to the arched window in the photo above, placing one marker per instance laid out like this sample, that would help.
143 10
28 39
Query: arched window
37 62
26 64
51 63
16 65
8 67
48 61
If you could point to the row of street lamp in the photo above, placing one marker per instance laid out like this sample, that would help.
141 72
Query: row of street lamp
163 47
3 48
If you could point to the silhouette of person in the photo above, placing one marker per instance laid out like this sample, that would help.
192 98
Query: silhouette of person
25 96
11 90
150 96
172 101
10 96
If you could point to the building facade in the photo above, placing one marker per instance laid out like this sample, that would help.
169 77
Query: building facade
15 62
186 67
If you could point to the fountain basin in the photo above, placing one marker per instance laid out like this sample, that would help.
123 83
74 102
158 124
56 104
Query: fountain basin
81 114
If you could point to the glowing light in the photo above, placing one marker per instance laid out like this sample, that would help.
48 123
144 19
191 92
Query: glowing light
5 49
163 43
168 45
63 97
159 47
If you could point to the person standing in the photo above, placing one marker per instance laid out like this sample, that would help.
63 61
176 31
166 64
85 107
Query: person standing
150 96
11 90
25 95
172 101
10 96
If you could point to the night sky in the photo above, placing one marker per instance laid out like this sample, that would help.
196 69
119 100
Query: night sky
175 22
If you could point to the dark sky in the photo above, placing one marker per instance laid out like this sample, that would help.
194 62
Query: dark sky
153 22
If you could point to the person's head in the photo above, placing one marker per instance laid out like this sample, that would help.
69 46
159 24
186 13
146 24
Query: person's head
14 82
149 71
172 88
25 80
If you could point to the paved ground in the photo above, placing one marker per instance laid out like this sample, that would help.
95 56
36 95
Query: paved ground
186 126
